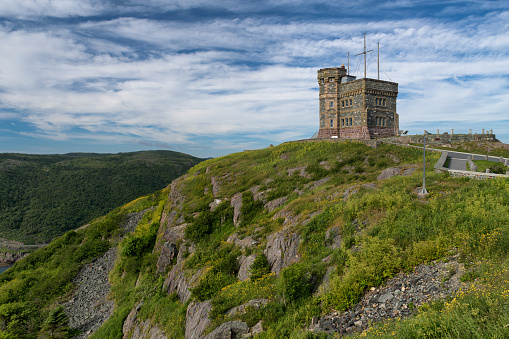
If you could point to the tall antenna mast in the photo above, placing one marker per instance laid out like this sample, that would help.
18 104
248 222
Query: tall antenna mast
365 52
348 67
379 60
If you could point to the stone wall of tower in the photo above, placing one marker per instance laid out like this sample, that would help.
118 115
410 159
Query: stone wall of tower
329 81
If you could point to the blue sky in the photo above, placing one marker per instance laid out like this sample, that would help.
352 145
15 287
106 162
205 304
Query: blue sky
210 78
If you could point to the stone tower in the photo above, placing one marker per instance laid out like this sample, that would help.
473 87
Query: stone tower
353 108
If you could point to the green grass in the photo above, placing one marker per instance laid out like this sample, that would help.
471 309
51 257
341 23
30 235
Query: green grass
384 231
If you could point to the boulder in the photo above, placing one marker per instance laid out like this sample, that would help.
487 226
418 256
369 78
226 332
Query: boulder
229 330
197 319
281 250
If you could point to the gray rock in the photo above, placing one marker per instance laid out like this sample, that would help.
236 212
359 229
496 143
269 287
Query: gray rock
168 252
236 203
389 173
215 186
245 267
89 306
129 322
229 330
333 237
349 191
272 205
244 243
255 303
197 319
312 185
213 205
281 250
385 297
258 328
176 281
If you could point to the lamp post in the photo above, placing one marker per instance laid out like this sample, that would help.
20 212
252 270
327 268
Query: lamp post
423 191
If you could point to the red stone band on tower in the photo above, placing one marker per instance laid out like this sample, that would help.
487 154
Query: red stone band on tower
353 108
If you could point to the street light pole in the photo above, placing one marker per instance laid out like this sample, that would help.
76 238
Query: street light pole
423 191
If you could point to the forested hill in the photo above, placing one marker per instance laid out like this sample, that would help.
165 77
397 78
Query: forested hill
43 196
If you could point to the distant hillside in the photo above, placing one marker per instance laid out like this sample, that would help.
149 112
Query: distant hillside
303 240
43 196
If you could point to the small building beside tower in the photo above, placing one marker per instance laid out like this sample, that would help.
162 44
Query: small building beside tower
353 108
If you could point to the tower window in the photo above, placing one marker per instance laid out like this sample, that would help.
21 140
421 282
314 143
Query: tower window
323 80
331 123
350 102
342 122
331 104
346 121
350 121
331 79
383 103
376 104
342 103
383 122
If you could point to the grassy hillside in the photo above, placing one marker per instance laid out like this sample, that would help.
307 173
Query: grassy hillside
43 196
321 187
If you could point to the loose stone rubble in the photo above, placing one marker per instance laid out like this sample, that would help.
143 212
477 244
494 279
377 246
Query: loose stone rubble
399 297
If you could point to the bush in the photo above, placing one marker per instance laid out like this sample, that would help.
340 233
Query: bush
294 284
250 207
200 227
259 267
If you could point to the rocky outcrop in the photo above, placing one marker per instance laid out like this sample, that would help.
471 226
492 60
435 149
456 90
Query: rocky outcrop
281 250
333 238
229 330
197 319
312 185
389 173
255 303
245 267
168 253
393 171
272 205
215 186
243 243
135 329
176 281
7 258
89 307
236 203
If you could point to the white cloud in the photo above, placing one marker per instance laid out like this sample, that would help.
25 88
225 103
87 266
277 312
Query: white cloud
50 8
172 82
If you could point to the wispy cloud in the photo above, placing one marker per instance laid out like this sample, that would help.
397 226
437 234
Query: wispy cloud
243 79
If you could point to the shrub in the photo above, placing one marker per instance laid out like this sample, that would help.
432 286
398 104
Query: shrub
250 208
200 227
259 267
294 284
